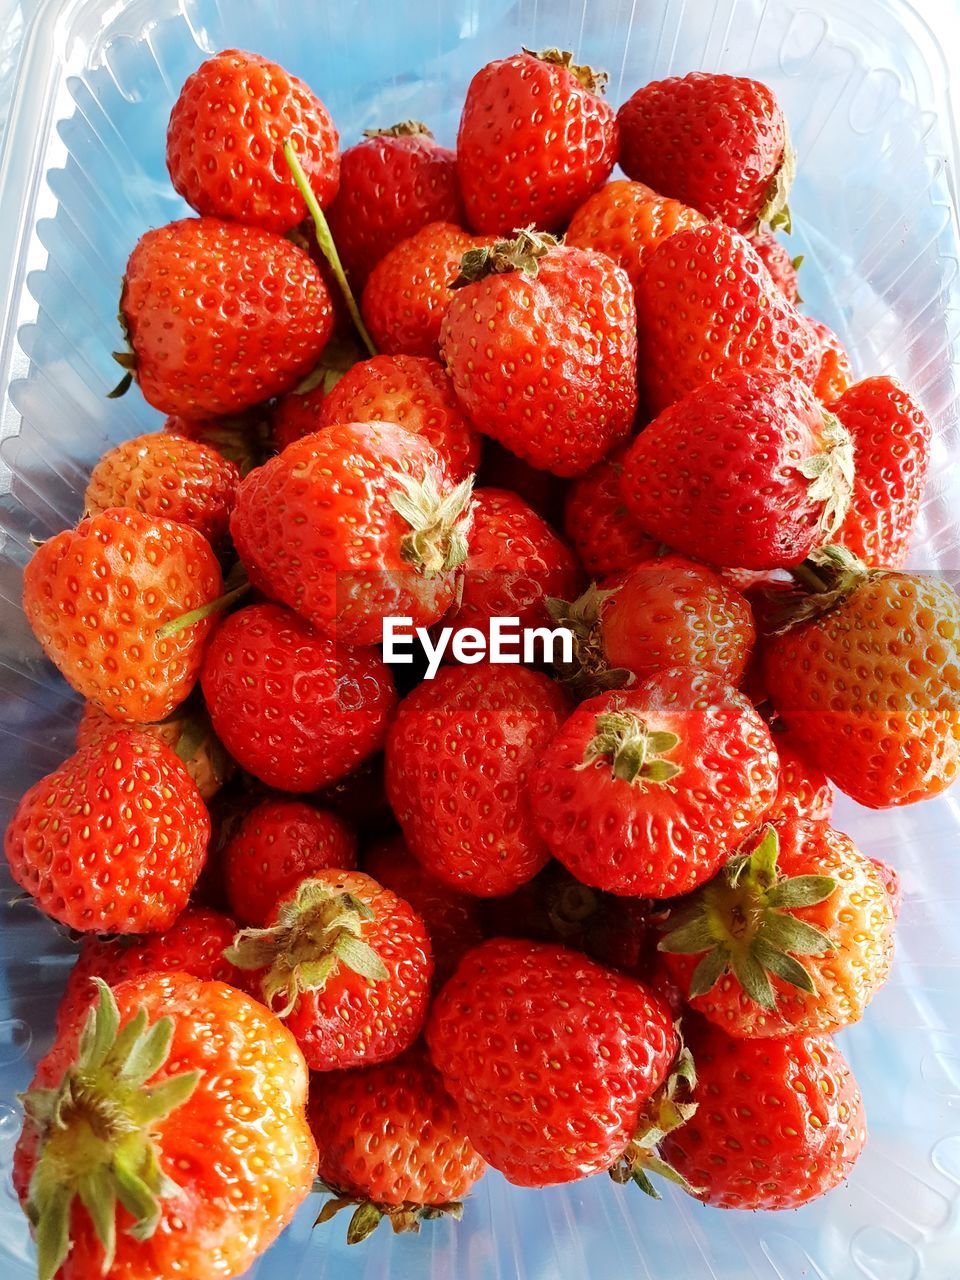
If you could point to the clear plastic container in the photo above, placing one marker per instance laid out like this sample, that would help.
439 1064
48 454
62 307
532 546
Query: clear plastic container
865 87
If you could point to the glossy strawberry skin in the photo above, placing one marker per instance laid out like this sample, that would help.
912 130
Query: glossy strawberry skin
597 523
717 475
408 291
871 688
713 141
626 220
706 307
890 879
534 142
239 1149
96 596
416 394
460 755
167 476
292 707
193 944
642 838
549 1056
891 441
205 342
776 258
836 372
113 840
317 529
805 790
278 844
391 1134
225 142
779 1122
576 390
390 187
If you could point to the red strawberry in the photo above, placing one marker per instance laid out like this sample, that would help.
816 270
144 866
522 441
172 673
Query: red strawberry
393 183
452 919
352 525
193 944
113 840
98 596
460 755
775 256
891 448
408 291
779 1122
166 475
804 791
221 316
347 964
645 791
550 1058
835 373
278 844
869 681
560 392
747 471
668 612
171 1127
716 142
794 935
626 220
225 141
416 394
890 879
292 707
392 1145
596 520
706 307
536 138
297 413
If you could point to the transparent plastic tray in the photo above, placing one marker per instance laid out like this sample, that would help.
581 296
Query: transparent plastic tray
866 91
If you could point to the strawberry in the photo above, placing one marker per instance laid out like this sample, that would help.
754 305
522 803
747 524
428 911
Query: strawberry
98 596
408 292
165 1136
460 755
804 791
645 791
452 919
775 256
795 935
706 307
391 1145
550 1058
890 879
780 1122
626 220
392 184
165 475
297 413
669 612
187 731
536 138
352 525
292 707
515 562
868 680
225 141
240 437
111 841
277 844
347 964
835 372
193 944
220 316
560 392
597 523
416 394
891 446
716 142
747 471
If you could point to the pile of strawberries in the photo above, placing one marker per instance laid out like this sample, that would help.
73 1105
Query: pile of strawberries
559 921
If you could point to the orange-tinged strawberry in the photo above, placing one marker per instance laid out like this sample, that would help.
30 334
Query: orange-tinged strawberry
805 790
836 372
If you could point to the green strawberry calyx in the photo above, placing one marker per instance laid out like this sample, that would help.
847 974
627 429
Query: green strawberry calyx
775 212
634 751
589 673
404 129
439 522
522 254
831 474
368 1214
97 1133
591 79
742 922
317 930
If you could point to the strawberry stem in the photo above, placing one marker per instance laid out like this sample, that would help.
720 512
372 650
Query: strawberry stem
205 611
